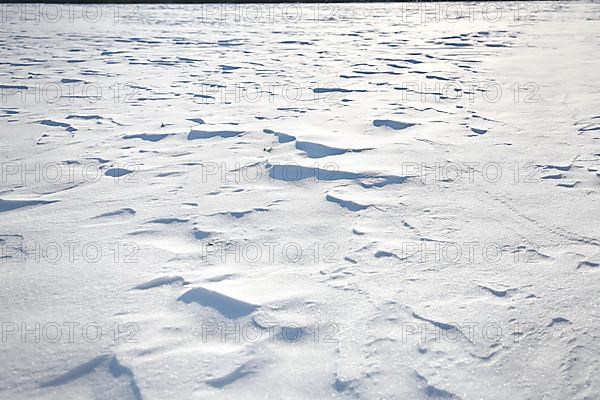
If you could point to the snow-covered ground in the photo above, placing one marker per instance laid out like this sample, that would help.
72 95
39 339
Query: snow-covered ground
300 202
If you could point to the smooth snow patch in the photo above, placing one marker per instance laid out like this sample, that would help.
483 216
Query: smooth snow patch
348 204
8 205
117 172
149 137
395 125
225 305
317 150
194 134
161 281
281 137
122 211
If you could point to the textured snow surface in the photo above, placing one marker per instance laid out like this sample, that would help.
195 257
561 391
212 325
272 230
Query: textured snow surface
354 202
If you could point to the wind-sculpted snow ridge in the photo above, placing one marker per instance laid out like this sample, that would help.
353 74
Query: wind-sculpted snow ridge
104 373
353 201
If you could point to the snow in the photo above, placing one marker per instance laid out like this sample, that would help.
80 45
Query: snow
363 201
